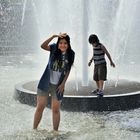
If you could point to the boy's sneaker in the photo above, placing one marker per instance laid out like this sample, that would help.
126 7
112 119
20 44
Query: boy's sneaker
95 91
100 93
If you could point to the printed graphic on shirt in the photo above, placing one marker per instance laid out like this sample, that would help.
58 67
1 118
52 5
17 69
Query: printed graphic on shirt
59 65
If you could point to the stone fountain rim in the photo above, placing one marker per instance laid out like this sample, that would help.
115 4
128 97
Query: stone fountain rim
20 88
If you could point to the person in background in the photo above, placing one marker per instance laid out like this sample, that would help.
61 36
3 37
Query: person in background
54 77
100 65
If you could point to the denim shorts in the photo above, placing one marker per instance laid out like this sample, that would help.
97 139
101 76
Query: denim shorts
51 91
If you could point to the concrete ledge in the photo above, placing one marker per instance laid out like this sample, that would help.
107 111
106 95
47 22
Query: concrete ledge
26 93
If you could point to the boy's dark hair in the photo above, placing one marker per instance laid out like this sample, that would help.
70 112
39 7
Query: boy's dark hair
93 39
70 52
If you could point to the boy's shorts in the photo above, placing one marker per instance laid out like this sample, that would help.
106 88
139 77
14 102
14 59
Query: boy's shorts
51 91
100 72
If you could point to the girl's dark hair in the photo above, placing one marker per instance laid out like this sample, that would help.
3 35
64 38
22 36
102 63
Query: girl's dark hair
70 52
93 39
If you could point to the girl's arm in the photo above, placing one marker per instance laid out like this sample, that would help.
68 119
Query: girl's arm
108 55
65 78
45 44
62 85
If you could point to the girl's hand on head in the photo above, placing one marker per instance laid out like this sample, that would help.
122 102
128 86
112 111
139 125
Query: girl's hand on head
62 35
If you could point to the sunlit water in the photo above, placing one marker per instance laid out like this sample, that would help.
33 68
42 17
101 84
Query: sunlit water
16 118
117 23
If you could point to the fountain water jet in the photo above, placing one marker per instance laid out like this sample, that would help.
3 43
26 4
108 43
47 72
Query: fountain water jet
107 20
23 12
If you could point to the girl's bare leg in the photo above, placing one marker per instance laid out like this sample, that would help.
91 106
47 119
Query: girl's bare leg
41 104
56 113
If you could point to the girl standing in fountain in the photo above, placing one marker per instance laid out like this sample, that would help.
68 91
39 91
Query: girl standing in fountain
100 68
54 77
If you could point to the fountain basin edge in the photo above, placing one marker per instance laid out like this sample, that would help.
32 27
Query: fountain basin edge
78 103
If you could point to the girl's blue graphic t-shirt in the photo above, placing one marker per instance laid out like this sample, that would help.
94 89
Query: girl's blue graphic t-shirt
55 70
57 66
53 67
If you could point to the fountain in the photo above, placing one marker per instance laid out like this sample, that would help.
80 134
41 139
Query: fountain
107 20
25 24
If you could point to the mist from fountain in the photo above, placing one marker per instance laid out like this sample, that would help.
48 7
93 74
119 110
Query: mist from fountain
23 12
108 20
117 24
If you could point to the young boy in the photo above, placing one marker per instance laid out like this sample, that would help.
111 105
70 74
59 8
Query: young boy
100 68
